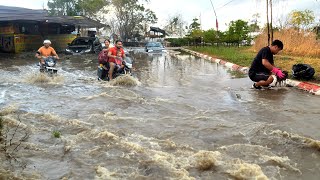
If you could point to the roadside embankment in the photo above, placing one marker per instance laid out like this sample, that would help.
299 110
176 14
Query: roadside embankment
313 88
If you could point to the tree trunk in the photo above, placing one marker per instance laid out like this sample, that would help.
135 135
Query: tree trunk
271 27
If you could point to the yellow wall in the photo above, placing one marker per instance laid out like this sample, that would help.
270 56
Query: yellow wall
22 42
7 29
60 41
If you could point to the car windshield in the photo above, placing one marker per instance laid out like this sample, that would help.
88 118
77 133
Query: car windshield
154 44
80 42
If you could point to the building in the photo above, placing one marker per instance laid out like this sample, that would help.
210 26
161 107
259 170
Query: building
24 29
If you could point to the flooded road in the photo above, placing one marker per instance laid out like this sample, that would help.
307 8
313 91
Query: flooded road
178 117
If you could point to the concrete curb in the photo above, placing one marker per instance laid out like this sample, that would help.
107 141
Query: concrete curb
306 86
311 88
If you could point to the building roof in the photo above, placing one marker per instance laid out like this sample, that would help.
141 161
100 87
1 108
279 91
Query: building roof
156 29
8 13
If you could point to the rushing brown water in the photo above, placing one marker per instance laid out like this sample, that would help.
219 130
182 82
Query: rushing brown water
178 117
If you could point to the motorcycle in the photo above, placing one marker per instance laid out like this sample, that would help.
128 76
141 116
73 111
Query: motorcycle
49 65
103 70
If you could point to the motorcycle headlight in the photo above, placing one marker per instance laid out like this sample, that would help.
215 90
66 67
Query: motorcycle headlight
50 63
68 50
129 65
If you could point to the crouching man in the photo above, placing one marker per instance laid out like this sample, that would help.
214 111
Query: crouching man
262 70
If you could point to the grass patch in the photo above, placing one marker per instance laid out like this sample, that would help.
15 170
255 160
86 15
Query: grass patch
56 134
244 56
241 56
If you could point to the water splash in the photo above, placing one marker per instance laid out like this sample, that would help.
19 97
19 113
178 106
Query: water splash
42 78
125 80
205 160
243 170
309 142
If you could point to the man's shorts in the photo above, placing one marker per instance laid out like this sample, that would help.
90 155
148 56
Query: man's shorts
258 76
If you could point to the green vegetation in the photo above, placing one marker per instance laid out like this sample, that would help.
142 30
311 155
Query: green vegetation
240 56
75 7
301 19
131 16
56 134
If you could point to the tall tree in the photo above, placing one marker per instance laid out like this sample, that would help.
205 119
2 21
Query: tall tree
90 8
301 19
195 25
64 7
237 31
87 8
175 25
254 27
131 17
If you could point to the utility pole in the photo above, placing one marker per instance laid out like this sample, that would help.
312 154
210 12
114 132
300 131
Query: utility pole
215 15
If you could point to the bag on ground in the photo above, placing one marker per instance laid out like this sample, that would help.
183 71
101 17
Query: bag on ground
302 71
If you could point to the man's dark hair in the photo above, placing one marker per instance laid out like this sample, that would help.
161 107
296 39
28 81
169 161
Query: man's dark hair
118 41
277 43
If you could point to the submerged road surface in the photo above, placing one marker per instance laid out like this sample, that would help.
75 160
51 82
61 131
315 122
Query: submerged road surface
178 117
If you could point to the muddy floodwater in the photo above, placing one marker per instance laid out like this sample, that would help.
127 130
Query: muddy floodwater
177 117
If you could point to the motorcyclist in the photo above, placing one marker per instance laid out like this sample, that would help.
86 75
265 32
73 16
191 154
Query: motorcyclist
103 58
45 51
112 54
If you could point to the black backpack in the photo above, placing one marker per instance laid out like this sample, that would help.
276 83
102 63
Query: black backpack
302 71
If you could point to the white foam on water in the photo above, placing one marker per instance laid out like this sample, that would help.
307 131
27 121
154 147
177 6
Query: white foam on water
125 80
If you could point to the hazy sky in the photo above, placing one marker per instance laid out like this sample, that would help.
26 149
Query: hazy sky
226 10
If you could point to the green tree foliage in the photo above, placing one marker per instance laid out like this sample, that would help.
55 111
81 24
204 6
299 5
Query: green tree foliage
301 19
91 7
63 7
237 32
131 17
194 25
75 7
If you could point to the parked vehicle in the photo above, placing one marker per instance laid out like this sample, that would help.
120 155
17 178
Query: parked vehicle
84 45
154 47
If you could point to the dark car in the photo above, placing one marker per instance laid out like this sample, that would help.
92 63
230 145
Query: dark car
154 47
84 45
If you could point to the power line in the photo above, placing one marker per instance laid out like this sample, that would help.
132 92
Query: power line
225 4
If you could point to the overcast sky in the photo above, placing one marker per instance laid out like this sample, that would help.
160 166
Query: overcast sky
226 10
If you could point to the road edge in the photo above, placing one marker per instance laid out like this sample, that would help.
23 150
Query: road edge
306 86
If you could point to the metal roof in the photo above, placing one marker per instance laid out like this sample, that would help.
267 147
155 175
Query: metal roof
8 13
